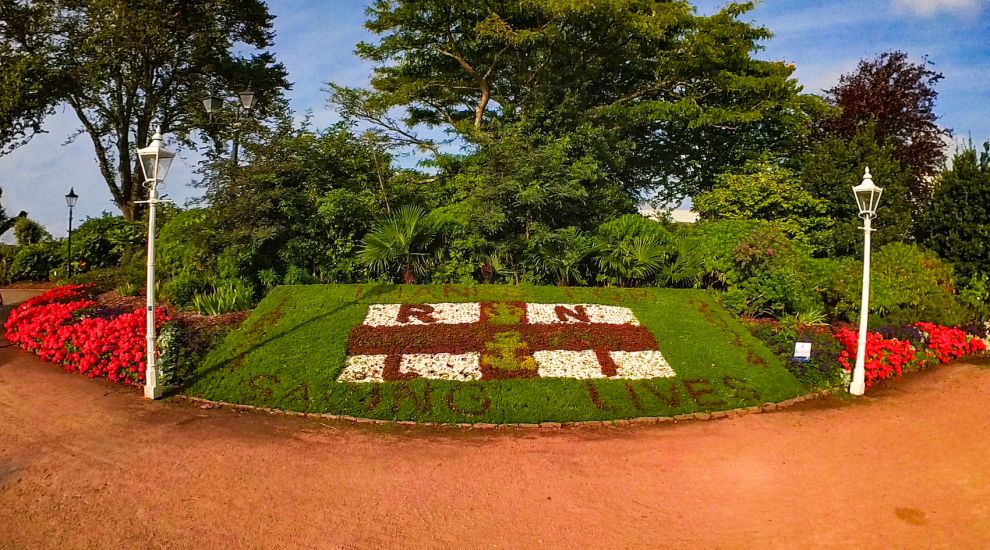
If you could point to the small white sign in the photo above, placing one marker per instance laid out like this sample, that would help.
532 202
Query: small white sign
802 351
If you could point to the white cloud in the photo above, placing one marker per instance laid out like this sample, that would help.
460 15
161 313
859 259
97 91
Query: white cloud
928 8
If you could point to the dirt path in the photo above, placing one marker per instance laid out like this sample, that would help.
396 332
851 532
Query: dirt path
87 464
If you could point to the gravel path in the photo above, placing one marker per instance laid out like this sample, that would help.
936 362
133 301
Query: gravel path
86 464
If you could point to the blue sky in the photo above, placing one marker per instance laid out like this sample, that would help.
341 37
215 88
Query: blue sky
315 40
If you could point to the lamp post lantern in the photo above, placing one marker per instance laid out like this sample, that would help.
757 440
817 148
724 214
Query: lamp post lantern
246 100
867 198
155 161
70 200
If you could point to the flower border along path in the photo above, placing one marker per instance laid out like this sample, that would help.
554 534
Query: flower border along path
293 352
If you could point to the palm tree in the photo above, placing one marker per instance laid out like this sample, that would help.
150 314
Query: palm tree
633 260
560 254
686 269
401 242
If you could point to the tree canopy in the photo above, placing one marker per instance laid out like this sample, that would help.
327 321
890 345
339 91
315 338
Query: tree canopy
957 226
675 98
766 191
831 169
123 67
896 98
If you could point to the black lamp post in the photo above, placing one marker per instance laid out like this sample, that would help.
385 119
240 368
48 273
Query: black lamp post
70 201
246 100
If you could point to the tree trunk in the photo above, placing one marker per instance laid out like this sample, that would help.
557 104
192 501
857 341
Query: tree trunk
479 112
129 210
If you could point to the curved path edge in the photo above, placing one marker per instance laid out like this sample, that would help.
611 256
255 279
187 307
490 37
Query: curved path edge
704 415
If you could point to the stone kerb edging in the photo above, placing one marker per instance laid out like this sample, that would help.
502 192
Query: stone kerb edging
732 413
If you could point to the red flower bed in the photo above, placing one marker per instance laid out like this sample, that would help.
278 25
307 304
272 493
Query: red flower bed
888 357
62 326
950 343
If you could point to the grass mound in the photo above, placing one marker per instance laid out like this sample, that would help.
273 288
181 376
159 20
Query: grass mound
290 351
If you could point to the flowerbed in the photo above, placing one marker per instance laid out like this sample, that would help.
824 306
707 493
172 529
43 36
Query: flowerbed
887 357
491 354
493 340
64 326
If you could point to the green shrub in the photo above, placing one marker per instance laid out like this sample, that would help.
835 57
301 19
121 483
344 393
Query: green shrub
105 279
184 343
774 280
907 285
35 262
822 370
764 191
28 231
185 242
628 226
714 244
632 250
269 279
102 242
560 256
760 269
7 253
296 275
974 293
180 289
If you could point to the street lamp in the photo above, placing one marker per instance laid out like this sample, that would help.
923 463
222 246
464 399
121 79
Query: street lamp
155 161
70 201
246 99
867 198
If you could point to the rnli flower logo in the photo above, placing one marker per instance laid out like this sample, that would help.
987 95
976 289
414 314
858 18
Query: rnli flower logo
499 340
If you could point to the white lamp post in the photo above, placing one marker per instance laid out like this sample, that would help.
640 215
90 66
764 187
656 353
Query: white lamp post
155 161
867 198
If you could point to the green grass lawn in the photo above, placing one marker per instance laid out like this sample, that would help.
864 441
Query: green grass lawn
288 354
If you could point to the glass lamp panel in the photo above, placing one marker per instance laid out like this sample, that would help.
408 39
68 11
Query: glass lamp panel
863 201
148 161
875 199
71 198
164 162
868 199
867 196
212 103
247 98
160 158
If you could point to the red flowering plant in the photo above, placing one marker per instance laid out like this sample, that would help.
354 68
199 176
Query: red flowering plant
31 325
885 357
889 357
946 343
62 326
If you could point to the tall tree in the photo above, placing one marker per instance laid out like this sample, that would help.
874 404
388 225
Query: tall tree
957 226
300 207
897 98
124 66
677 97
831 169
766 191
